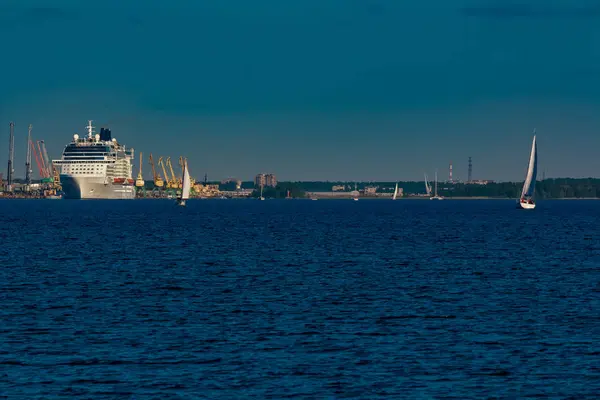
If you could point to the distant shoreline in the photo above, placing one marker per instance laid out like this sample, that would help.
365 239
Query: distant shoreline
317 197
445 198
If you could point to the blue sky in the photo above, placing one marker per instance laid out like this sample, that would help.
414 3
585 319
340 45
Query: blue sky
312 89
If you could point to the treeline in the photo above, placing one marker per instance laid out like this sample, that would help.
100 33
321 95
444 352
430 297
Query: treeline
549 188
546 189
281 191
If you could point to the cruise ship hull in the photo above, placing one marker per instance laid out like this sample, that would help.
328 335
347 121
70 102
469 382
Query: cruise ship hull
94 188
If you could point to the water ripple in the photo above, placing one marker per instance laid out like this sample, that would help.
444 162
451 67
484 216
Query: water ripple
299 299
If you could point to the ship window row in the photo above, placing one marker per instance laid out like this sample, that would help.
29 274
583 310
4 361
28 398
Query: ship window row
84 170
83 158
87 149
87 161
81 154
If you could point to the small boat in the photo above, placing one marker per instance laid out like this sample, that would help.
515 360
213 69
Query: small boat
435 194
427 187
526 201
185 190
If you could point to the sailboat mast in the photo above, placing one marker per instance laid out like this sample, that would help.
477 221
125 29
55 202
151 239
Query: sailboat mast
435 183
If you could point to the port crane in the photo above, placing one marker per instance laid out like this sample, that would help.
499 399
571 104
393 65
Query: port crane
176 183
140 179
45 161
158 181
49 174
161 163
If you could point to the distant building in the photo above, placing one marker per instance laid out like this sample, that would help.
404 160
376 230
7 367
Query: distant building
228 180
371 190
271 180
338 188
265 180
260 180
480 182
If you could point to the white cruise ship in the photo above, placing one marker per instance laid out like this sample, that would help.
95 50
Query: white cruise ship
96 167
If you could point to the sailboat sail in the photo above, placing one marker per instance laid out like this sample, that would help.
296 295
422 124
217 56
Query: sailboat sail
427 187
395 192
529 185
185 191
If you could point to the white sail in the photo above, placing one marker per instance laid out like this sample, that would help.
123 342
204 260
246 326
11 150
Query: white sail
427 187
529 185
395 192
435 193
185 191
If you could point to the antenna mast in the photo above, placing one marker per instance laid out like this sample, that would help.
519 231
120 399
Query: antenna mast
90 129
28 170
11 155
470 178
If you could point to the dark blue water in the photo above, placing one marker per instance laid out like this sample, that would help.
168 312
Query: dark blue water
231 299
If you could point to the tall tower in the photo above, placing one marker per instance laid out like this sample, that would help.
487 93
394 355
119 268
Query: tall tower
450 173
28 170
11 154
470 170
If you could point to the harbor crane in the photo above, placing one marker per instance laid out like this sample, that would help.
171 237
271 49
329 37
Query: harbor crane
140 178
175 181
158 181
161 163
49 174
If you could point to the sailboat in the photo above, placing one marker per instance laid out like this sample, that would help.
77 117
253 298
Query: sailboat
355 198
261 193
395 192
427 187
526 201
435 194
186 185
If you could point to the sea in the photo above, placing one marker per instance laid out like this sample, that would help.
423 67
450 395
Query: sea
278 299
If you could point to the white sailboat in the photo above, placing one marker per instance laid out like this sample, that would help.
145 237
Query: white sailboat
355 198
435 194
186 185
395 192
261 193
526 201
427 187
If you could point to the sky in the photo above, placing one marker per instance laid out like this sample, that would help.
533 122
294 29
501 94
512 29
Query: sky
311 89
